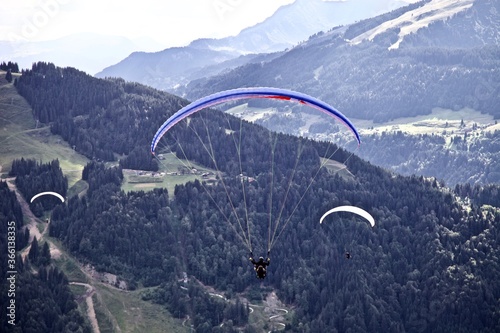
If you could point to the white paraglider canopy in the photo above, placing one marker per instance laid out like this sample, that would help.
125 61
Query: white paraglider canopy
350 209
47 193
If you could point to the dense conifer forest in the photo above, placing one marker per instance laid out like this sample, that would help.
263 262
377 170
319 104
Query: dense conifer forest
33 178
426 252
430 264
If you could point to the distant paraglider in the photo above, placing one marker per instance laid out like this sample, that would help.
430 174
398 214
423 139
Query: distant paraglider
350 209
47 193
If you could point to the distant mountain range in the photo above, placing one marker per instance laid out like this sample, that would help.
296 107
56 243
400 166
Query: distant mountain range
434 53
290 25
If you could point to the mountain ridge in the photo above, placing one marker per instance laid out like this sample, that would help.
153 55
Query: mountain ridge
290 25
363 79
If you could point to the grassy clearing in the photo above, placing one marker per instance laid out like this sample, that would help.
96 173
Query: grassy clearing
21 136
78 290
41 227
250 114
68 264
103 317
132 314
79 188
167 177
117 310
439 121
335 167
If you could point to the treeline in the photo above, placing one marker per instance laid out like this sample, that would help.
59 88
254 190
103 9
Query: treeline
136 236
93 227
43 301
480 195
11 214
99 118
33 177
9 66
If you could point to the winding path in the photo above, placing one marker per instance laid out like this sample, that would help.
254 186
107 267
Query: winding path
251 306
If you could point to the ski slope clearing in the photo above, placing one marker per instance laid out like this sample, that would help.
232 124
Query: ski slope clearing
413 20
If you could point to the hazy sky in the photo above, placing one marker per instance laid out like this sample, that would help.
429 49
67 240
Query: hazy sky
173 22
170 22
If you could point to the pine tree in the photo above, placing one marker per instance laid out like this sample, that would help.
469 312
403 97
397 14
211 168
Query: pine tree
8 75
34 252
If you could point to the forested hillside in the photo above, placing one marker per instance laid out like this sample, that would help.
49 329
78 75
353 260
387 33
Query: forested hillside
453 150
430 263
99 118
37 293
368 81
376 70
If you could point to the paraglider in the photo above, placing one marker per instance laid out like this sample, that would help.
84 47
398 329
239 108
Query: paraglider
260 266
242 93
350 209
47 193
233 211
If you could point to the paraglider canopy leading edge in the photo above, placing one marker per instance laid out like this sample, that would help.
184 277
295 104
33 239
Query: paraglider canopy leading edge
256 92
47 193
350 209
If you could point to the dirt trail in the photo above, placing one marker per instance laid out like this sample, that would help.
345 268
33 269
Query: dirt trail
90 305
271 306
55 253
274 308
27 213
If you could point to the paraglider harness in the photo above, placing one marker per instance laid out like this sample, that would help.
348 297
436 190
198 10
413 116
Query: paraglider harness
260 266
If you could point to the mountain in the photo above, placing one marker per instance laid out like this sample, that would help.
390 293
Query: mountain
359 69
290 25
421 83
430 264
89 52
294 23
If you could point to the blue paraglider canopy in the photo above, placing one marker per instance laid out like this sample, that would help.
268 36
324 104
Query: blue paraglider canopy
243 93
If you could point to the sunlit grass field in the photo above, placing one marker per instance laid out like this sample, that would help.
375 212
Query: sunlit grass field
21 137
169 165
